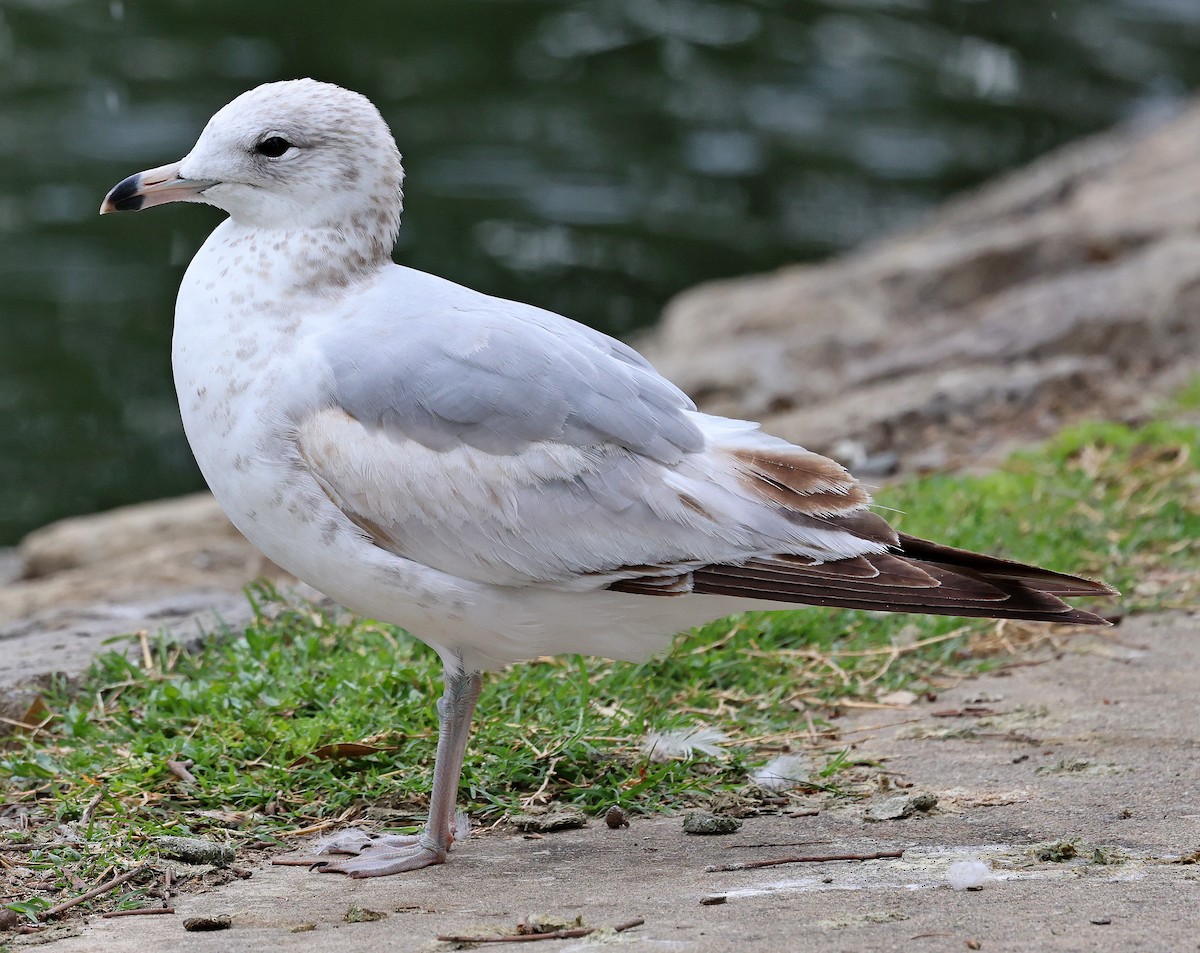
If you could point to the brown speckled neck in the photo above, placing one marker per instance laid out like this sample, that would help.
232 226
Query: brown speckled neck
328 261
301 264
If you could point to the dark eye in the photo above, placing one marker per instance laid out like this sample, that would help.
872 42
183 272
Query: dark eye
273 147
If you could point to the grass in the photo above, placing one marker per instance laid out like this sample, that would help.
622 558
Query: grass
308 719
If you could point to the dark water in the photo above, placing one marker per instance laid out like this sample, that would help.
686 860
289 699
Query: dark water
593 157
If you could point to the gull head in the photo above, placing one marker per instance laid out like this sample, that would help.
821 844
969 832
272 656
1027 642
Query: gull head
296 154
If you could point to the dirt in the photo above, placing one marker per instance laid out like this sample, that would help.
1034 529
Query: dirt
1078 860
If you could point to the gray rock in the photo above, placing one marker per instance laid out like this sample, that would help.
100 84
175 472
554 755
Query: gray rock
557 819
195 850
702 822
899 807
1070 287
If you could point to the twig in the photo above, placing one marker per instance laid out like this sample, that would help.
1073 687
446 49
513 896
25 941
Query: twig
851 703
301 861
815 859
553 935
967 711
94 892
320 825
23 725
527 802
86 817
878 727
180 770
140 912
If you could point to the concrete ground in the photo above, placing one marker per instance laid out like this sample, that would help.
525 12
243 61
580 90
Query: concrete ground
1100 747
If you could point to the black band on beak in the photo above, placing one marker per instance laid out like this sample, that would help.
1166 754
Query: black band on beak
126 196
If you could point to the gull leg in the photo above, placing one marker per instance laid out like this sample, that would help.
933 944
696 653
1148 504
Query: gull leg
392 854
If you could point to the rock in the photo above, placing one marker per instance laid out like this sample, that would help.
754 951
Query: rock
923 802
1057 852
899 807
195 850
117 534
207 924
130 553
702 822
1069 287
66 638
356 914
175 565
556 819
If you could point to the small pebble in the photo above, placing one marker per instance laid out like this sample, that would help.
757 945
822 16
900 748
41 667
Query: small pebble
924 802
559 819
713 900
194 850
701 822
1102 921
899 807
206 924
615 818
357 914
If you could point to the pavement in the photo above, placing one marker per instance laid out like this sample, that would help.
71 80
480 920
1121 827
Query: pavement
1097 748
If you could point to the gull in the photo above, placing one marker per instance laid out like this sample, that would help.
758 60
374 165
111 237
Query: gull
497 479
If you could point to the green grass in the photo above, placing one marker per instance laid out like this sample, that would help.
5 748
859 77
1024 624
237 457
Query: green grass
252 711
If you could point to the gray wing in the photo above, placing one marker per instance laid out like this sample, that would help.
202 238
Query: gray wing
508 445
499 376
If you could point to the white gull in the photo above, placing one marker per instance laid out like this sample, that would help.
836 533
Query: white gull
499 480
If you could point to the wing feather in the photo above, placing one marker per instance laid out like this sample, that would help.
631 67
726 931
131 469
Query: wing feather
498 376
512 446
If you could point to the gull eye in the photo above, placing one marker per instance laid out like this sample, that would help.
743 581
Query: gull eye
273 147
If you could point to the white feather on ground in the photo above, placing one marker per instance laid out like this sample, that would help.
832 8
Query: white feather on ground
783 773
682 745
968 874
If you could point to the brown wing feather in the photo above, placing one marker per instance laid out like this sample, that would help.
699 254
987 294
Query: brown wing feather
798 480
1057 583
916 576
971 585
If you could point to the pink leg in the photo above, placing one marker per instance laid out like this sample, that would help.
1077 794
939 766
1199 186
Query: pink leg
391 854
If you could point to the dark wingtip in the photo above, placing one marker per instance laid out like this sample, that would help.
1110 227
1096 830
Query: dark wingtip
1082 617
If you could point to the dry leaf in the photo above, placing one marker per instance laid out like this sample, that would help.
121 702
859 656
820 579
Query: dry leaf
340 750
37 712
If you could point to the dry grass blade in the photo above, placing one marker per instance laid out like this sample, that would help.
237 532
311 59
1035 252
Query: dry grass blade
93 893
814 859
86 817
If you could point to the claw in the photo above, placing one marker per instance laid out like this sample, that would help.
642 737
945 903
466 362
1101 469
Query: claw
343 842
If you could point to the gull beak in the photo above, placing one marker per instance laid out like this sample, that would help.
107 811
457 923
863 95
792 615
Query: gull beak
153 187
